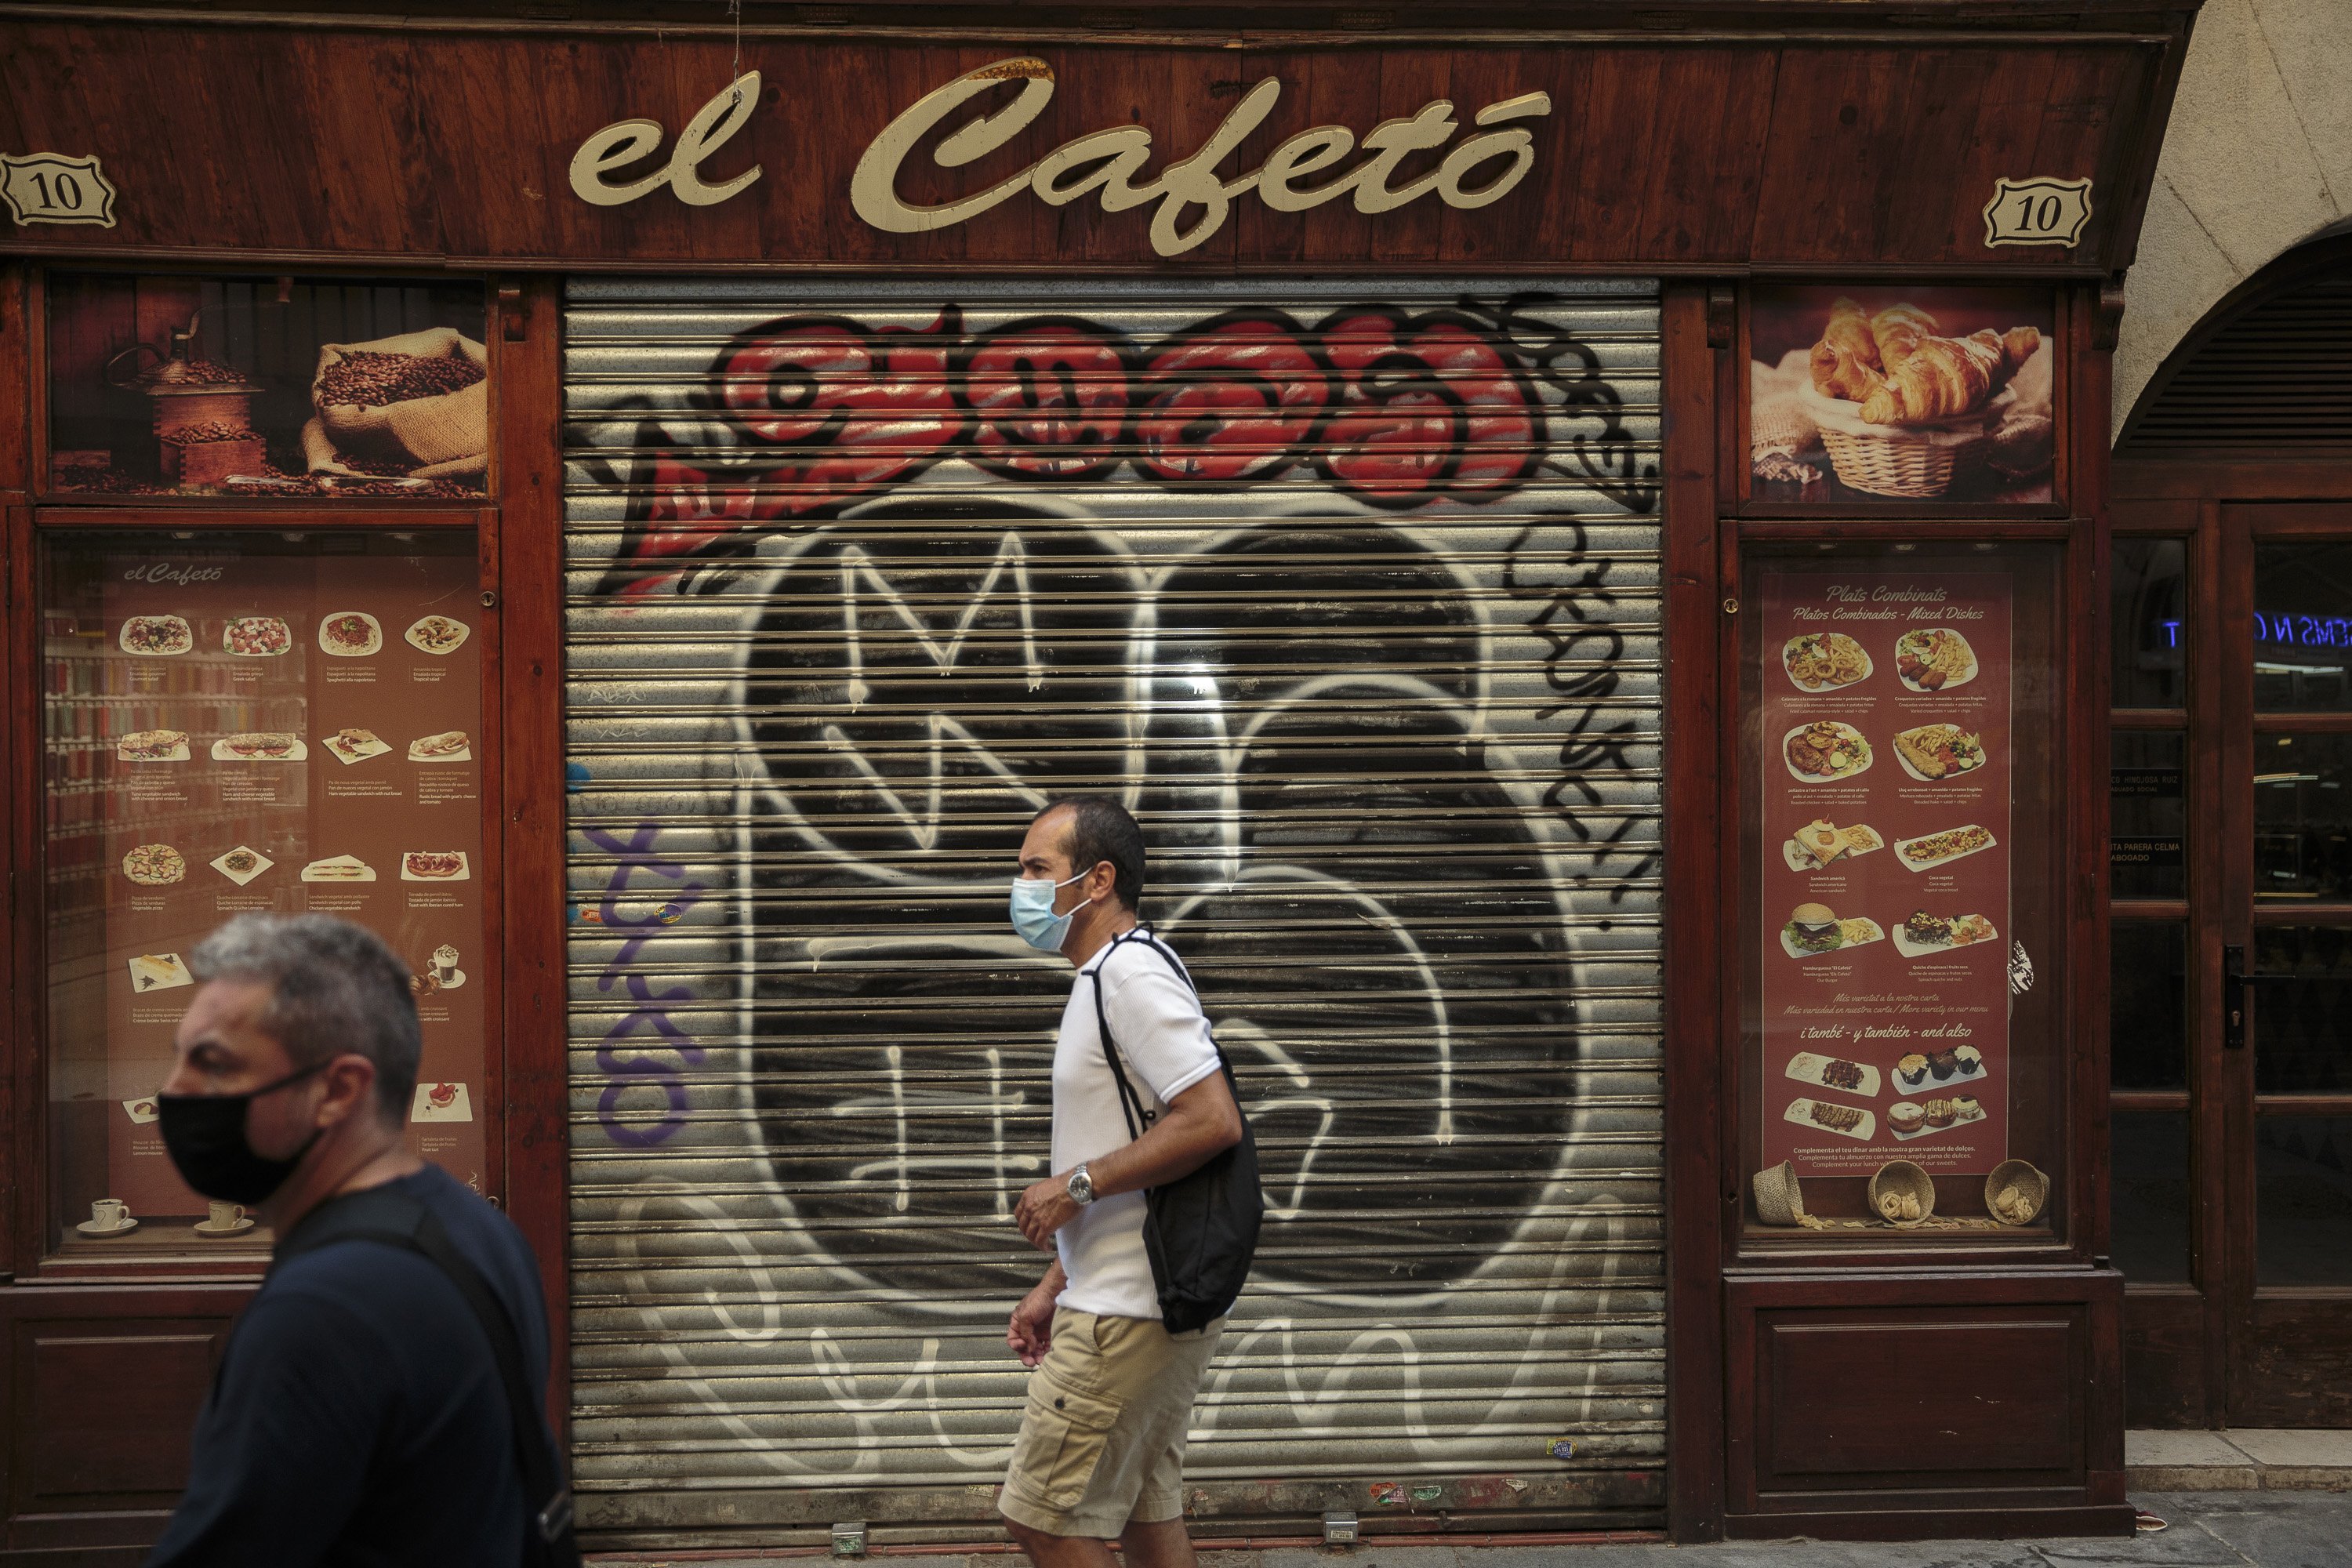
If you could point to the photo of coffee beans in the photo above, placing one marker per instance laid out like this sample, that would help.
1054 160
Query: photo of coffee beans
370 380
211 430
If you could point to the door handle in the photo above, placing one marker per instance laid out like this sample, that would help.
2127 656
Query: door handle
2235 992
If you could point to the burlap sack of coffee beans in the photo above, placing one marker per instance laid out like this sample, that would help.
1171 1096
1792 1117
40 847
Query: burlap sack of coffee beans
390 404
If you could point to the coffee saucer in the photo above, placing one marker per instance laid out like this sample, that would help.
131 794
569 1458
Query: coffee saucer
234 1227
91 1228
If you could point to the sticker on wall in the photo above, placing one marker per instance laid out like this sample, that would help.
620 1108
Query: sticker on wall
50 188
2037 212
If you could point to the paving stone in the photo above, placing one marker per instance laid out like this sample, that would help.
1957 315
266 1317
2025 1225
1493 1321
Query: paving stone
2307 1448
2181 1448
2279 1529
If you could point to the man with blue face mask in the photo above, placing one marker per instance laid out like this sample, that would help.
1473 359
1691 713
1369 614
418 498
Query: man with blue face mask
1101 1451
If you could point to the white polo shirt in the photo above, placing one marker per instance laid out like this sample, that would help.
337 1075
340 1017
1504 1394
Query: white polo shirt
1163 1042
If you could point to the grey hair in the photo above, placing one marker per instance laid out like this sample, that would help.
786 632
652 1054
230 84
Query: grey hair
334 989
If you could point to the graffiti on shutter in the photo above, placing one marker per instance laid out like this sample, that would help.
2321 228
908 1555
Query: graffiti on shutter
1352 594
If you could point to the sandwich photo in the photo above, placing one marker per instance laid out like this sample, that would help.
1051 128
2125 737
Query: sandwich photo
449 746
260 746
153 746
1816 845
433 866
354 745
339 868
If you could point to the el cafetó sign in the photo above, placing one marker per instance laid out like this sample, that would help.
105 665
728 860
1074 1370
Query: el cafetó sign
1191 199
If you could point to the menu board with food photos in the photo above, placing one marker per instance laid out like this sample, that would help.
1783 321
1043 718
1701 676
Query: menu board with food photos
1887 731
242 723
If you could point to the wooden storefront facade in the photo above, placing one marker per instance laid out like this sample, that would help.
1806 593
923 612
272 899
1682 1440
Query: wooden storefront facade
1423 459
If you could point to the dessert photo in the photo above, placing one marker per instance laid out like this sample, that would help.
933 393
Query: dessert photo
1912 393
441 1102
242 865
449 746
256 636
1825 751
155 636
1820 842
260 746
1848 1120
1934 658
354 745
1933 752
437 634
1940 1114
1931 1071
350 634
1935 849
159 971
339 868
1824 661
142 1109
153 746
153 865
1834 1072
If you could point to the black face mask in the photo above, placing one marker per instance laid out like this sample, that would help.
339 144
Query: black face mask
205 1135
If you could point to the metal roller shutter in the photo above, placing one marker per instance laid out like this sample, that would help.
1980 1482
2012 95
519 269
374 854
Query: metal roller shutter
1350 590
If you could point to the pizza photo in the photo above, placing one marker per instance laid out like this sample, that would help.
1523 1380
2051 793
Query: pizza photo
153 865
154 636
350 634
242 864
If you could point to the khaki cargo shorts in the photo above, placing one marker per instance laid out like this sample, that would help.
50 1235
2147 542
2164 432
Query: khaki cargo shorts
1102 1436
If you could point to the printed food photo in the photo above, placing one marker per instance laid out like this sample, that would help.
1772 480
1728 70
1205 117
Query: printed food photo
1934 658
256 636
1824 661
350 634
437 634
1933 752
1822 843
153 635
1825 751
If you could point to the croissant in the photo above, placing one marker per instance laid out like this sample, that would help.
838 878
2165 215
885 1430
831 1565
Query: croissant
1900 329
1846 363
1939 377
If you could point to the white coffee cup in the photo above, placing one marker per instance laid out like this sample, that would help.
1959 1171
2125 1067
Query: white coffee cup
444 964
108 1214
225 1214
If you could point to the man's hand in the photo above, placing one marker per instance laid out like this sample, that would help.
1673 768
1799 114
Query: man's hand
1044 1209
1030 1334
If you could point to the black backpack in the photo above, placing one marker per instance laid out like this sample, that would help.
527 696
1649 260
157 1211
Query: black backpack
398 1220
1200 1230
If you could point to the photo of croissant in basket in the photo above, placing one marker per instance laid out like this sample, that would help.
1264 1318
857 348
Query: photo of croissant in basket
1925 392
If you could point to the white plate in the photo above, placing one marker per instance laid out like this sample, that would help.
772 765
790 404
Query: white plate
463 873
260 863
1827 778
1868 669
464 754
1806 1067
1905 757
1927 1131
1800 859
1934 1088
90 1227
1961 680
375 634
141 1110
311 873
1909 864
348 755
1801 1111
182 636
221 752
158 971
1909 949
418 643
234 1227
459 1108
1876 932
260 623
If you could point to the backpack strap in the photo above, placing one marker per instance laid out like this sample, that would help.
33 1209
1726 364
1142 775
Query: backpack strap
396 1219
1130 1104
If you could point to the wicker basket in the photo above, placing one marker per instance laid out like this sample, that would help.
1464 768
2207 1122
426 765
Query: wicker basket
1777 1202
1910 462
2022 1178
1900 1179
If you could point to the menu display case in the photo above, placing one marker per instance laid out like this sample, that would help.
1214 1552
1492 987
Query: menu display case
1904 1059
240 721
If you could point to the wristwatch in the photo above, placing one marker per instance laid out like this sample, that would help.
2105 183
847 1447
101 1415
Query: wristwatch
1082 1186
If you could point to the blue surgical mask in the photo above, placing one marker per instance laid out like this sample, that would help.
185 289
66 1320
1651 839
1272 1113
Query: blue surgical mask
1034 916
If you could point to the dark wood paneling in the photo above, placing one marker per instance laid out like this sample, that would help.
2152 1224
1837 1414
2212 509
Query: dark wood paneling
103 1386
2006 1395
1716 150
2292 1362
529 575
2165 1379
1693 854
